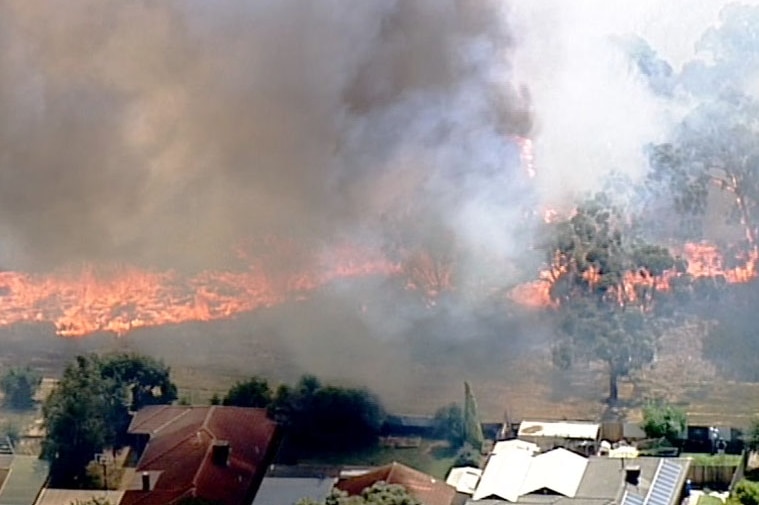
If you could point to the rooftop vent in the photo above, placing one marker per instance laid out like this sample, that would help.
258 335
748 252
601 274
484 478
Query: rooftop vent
632 475
220 452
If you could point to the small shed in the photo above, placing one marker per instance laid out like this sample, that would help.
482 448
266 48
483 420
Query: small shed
464 479
574 435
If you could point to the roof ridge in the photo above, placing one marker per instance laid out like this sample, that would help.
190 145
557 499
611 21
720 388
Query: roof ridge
204 461
392 469
157 409
184 412
415 471
168 450
207 419
212 435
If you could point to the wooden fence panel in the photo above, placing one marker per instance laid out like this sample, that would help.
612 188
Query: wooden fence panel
701 475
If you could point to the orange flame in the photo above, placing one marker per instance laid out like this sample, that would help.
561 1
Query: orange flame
526 155
704 260
86 301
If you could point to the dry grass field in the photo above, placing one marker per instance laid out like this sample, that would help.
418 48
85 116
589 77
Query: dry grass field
507 361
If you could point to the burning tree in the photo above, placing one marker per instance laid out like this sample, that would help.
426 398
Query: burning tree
715 147
424 247
604 286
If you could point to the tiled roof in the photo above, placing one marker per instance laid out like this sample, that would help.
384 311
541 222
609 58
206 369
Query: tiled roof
423 487
179 453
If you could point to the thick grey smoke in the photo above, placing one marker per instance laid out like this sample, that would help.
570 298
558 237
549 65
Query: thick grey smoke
594 109
163 133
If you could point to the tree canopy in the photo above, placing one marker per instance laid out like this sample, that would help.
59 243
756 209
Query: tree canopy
146 379
746 492
379 493
472 424
448 423
606 287
752 437
254 392
19 386
662 420
318 416
88 411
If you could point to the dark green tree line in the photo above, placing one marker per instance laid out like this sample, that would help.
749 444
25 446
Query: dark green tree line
378 494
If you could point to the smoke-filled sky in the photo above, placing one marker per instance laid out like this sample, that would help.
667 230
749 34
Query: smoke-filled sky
164 133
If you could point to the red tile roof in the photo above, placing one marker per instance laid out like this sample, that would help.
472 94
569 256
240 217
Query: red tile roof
423 487
180 448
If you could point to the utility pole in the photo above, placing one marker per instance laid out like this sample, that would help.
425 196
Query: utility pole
103 459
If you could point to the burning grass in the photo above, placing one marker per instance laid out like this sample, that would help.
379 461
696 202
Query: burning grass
415 370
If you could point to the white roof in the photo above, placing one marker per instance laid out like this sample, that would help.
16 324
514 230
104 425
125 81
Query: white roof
559 470
563 429
515 472
503 475
515 443
464 479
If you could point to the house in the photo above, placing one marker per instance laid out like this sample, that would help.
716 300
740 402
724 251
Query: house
560 477
423 487
575 435
513 473
215 453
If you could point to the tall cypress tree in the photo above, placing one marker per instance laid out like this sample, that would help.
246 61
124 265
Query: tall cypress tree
472 425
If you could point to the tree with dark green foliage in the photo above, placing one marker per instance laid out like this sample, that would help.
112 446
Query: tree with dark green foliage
448 424
745 492
662 420
323 417
89 409
254 392
379 493
752 435
19 386
472 424
146 379
602 315
78 418
468 456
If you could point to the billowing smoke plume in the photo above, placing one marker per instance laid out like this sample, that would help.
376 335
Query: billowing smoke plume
602 82
164 133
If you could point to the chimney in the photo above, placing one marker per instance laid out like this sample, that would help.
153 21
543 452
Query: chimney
220 452
632 475
145 481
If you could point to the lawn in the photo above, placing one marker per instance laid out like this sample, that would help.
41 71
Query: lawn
709 500
432 457
713 460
